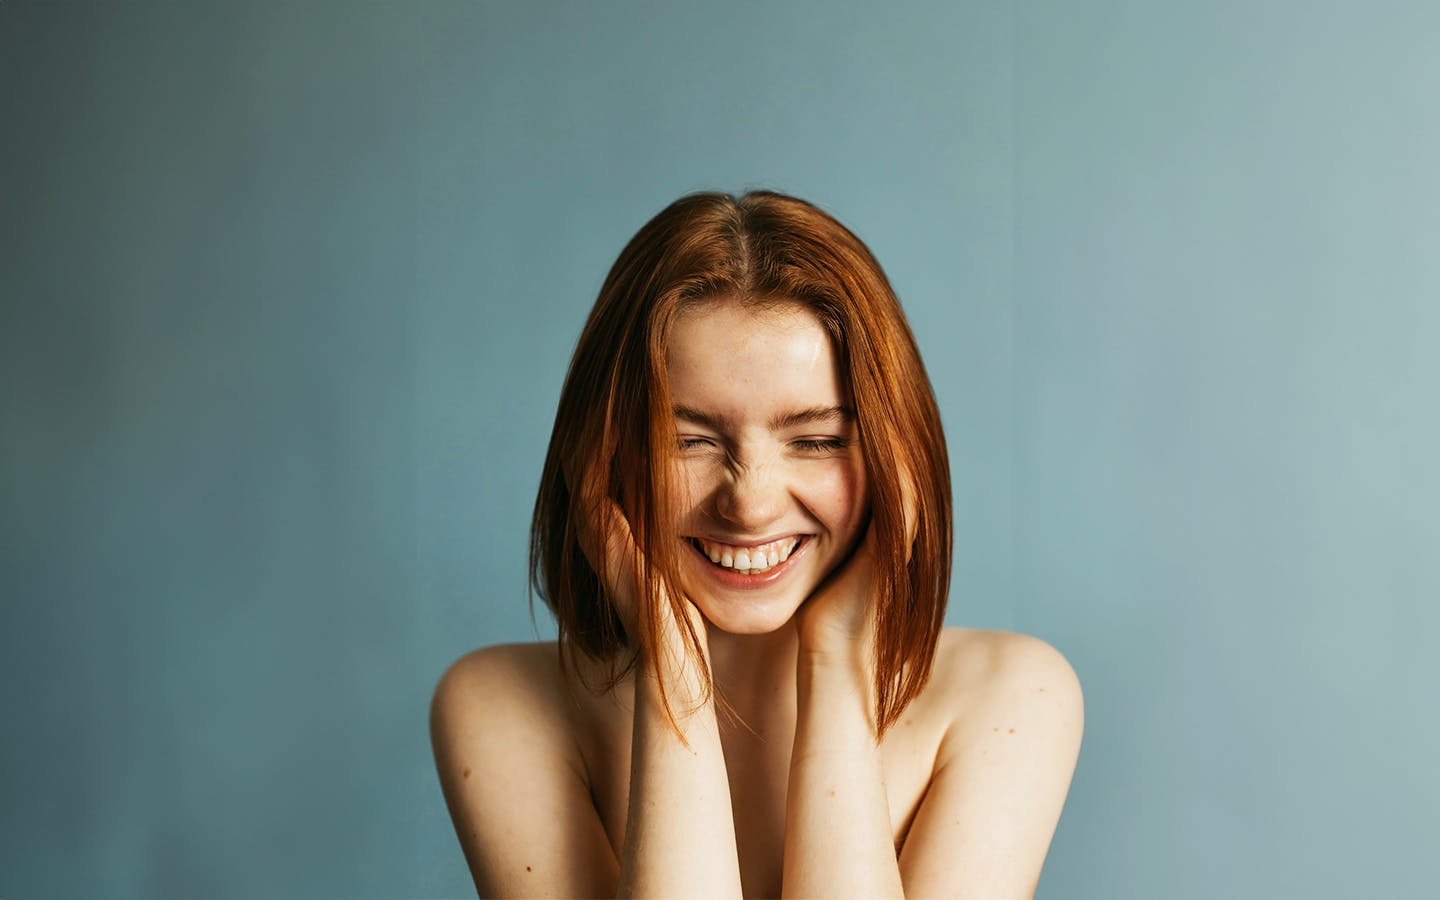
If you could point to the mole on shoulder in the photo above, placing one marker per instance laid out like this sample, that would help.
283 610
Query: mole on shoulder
466 773
528 869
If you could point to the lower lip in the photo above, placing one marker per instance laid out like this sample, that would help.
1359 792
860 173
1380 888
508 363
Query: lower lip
733 579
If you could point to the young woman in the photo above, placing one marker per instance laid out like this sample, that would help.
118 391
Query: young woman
743 530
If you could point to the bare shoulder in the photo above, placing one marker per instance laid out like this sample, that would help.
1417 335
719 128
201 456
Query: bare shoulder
493 680
1009 694
494 712
979 671
1015 716
495 697
501 726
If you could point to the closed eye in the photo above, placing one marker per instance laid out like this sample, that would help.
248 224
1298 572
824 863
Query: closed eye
693 443
820 445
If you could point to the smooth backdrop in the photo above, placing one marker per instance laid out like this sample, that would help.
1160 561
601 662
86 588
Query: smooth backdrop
287 291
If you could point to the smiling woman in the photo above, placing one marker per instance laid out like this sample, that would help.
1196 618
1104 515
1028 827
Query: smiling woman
743 530
771 486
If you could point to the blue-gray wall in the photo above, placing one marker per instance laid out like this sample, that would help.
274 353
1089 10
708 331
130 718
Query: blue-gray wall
287 291
1227 369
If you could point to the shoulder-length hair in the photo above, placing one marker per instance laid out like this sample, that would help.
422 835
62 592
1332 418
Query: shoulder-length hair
614 432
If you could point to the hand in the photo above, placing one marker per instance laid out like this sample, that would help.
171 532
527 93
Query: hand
609 545
619 565
839 617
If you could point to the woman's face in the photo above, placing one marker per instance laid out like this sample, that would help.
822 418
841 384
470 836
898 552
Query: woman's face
772 492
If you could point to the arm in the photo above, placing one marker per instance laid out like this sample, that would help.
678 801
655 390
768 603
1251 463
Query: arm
680 836
517 791
516 786
1001 776
838 840
680 829
1000 779
513 778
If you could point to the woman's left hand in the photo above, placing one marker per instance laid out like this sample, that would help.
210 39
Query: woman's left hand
839 617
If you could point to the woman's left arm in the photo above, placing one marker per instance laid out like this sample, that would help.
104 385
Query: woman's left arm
1001 774
998 784
838 839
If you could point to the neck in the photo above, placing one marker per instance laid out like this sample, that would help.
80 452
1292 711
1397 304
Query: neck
755 673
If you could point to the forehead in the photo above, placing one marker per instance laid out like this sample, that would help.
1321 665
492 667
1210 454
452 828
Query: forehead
726 351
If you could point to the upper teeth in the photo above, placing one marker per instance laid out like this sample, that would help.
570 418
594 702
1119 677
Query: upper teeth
749 560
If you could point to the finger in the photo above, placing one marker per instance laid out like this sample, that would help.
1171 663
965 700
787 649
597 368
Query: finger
590 531
855 566
910 505
608 543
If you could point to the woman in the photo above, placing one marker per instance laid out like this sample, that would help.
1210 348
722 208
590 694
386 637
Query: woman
743 530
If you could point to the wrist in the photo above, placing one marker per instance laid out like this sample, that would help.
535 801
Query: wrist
837 679
673 676
824 648
667 648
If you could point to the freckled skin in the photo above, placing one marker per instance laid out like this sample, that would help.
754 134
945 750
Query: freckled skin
745 365
974 835
551 744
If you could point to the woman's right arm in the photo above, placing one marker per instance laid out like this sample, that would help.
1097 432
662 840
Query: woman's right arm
520 798
522 806
680 837
680 830
513 778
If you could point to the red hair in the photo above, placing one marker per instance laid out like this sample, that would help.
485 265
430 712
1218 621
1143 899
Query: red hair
614 431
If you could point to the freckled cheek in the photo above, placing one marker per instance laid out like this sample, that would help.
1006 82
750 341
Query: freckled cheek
691 487
837 494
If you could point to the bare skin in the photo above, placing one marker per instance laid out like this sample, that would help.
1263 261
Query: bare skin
557 791
999 724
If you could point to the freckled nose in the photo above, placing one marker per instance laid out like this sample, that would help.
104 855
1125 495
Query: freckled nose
753 498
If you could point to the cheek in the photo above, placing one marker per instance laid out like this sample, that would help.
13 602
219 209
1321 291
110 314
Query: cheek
689 490
838 492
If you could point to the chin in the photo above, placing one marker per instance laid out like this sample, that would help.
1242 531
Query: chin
746 615
751 604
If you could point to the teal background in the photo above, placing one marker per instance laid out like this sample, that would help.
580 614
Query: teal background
287 291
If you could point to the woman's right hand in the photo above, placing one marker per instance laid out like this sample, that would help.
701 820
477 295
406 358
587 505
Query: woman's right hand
620 567
679 822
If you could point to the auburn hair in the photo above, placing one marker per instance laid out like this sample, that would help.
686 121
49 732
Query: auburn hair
614 433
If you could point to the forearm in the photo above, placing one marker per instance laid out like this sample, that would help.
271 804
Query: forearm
838 839
680 835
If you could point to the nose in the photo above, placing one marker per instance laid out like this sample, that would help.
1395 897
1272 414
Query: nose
752 498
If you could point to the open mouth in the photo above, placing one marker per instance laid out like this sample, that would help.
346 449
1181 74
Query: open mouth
750 561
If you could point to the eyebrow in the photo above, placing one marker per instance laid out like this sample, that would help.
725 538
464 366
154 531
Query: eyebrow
782 421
